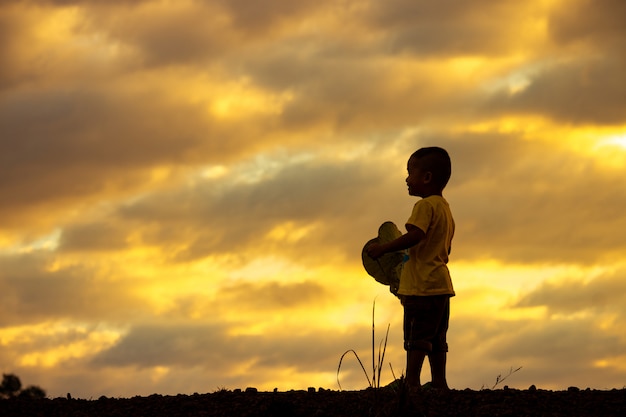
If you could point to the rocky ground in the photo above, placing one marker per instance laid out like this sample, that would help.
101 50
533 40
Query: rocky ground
325 403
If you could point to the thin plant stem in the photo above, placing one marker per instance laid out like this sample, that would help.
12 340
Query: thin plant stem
360 363
374 382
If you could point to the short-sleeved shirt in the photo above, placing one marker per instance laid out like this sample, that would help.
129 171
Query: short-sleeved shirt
426 272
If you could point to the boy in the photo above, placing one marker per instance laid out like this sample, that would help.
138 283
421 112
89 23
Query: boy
425 285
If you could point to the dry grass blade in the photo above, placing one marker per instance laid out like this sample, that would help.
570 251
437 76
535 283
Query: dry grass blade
499 379
381 357
360 363
374 382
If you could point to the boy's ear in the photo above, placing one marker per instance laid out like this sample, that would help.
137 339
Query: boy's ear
428 177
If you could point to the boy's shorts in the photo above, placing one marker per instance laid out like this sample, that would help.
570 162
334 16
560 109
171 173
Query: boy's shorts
426 322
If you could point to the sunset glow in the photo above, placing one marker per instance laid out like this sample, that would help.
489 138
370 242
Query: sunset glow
186 188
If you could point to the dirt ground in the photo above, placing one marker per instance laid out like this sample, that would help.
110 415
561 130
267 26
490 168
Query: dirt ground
326 403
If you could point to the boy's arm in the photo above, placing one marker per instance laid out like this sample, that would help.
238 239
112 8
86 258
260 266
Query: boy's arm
411 238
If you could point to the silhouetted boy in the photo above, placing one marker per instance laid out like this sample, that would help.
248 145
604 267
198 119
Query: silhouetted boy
425 284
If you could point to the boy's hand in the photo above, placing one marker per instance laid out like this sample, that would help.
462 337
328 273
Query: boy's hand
412 237
375 250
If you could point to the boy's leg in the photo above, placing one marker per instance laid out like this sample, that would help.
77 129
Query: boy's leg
438 356
438 369
414 361
415 343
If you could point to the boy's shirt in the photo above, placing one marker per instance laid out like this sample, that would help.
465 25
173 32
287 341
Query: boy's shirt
426 272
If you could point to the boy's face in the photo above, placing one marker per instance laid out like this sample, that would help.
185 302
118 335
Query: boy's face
417 179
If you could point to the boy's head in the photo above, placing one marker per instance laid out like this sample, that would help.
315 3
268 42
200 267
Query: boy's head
433 160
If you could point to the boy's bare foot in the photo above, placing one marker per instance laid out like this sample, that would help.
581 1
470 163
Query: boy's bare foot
429 386
415 388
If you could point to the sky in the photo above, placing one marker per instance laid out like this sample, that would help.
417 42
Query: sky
186 187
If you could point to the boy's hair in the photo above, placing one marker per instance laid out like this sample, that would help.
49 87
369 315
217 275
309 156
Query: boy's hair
437 161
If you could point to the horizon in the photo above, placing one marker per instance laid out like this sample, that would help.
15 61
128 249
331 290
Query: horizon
186 187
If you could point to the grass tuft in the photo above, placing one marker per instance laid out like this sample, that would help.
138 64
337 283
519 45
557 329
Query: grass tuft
500 378
377 365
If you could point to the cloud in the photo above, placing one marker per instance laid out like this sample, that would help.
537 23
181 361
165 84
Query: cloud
525 217
596 22
223 215
580 80
582 91
62 156
451 27
577 338
559 341
275 296
87 143
98 236
35 289
186 187
314 200
211 347
256 17
602 294
553 353
183 345
160 36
